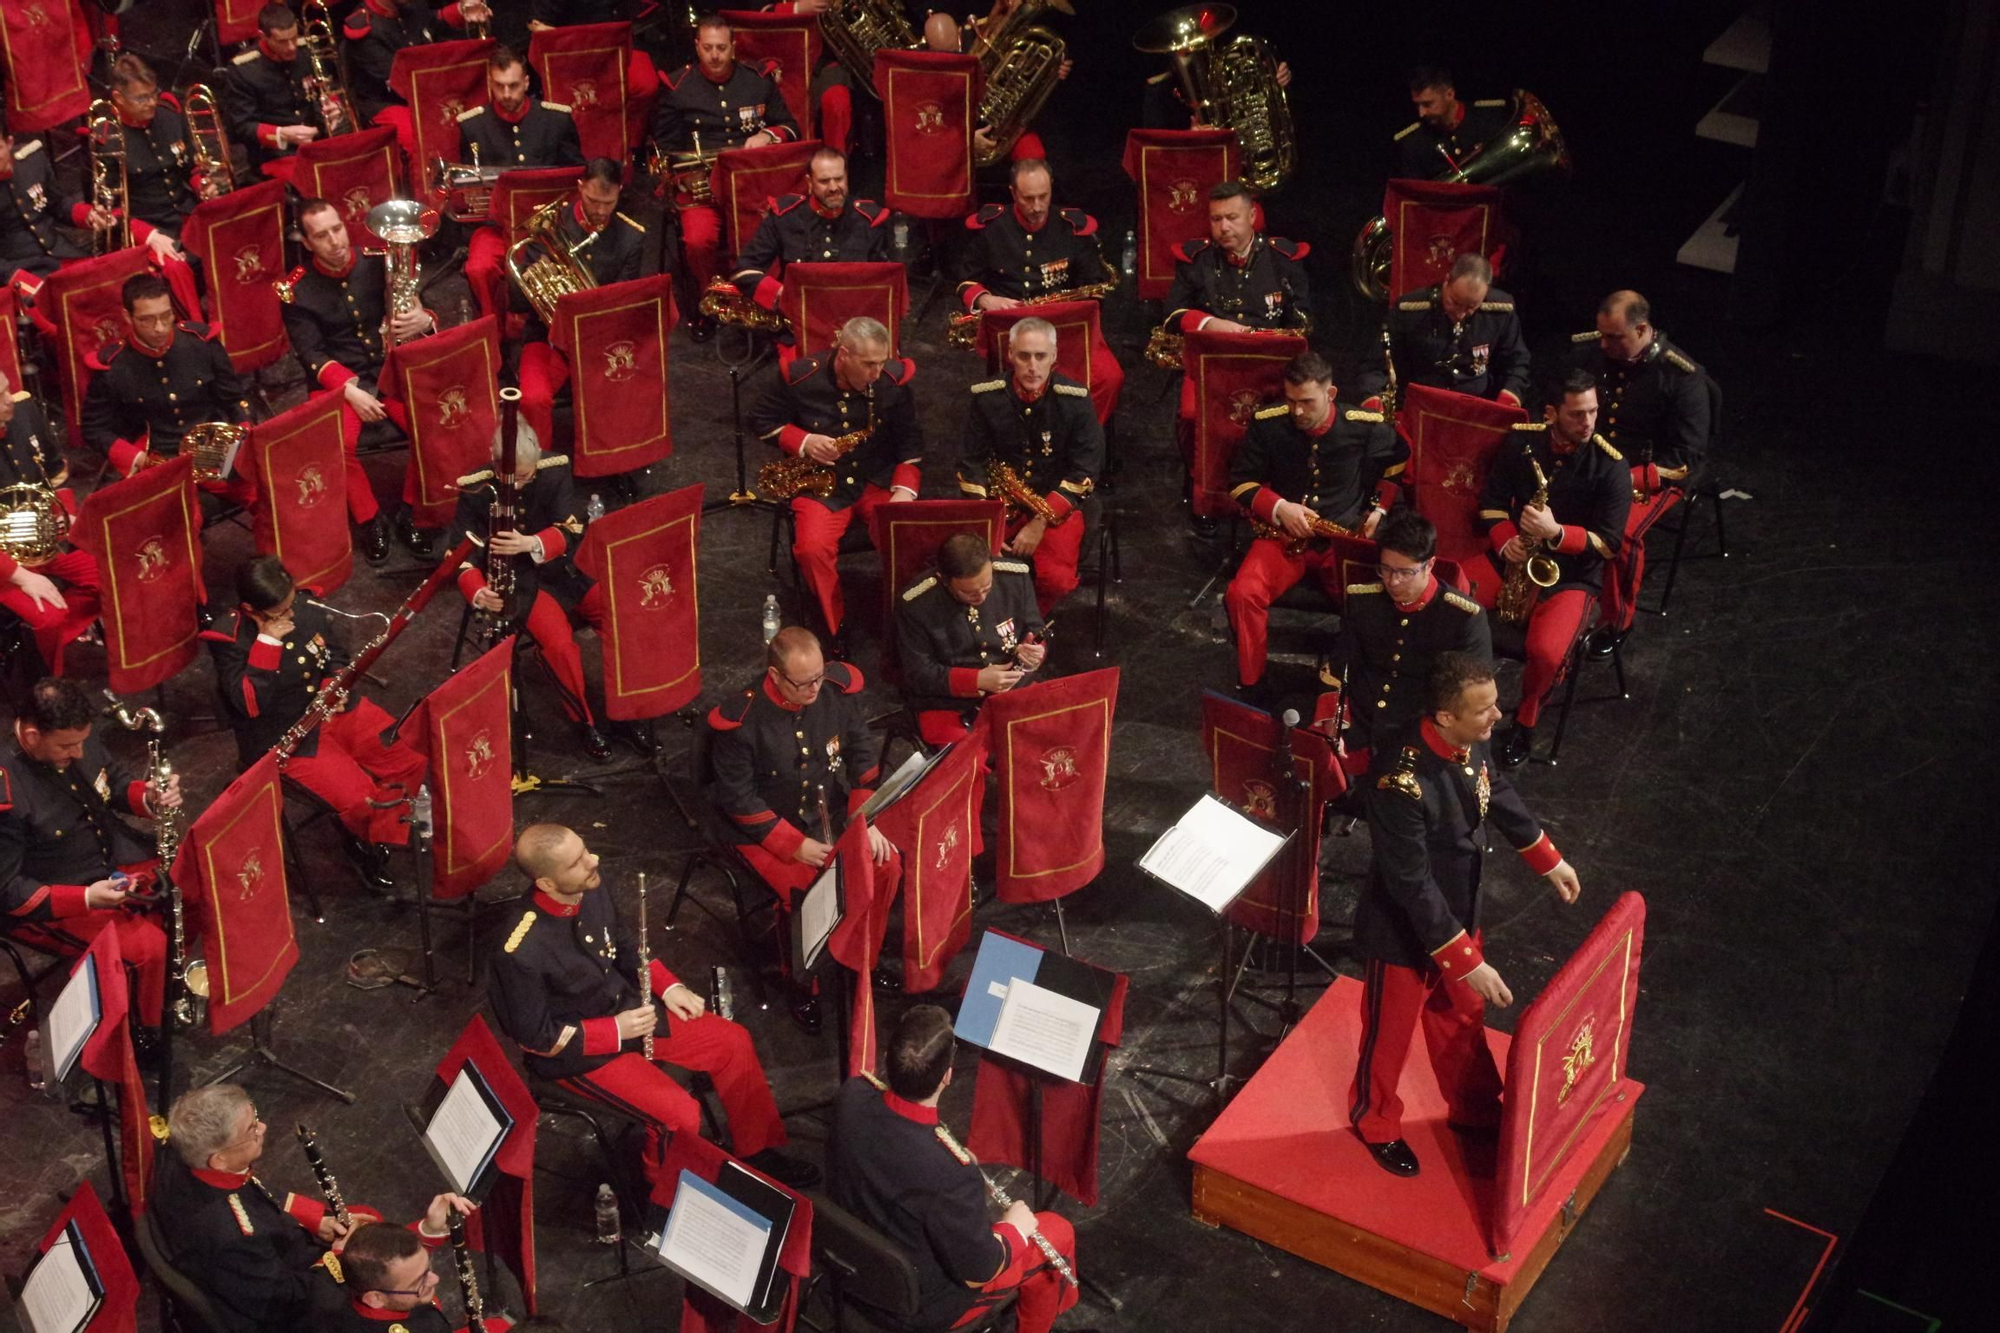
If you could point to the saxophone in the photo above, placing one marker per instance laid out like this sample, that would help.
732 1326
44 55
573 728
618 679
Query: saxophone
1321 527
468 1275
328 1186
963 330
1167 349
788 477
1001 477
1536 571
724 304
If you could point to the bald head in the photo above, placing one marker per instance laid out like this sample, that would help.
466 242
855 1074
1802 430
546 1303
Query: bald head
1624 326
792 643
535 851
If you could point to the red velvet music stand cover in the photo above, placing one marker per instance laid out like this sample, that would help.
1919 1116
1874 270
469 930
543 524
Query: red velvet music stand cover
465 727
513 1194
1566 1068
239 238
615 338
10 338
1174 170
791 44
819 298
745 180
440 80
109 1057
444 392
1081 351
45 46
1229 376
1051 748
516 194
643 558
82 300
930 100
299 460
908 536
856 943
700 1312
936 826
120 1311
583 66
1434 222
1453 437
236 21
231 870
143 531
353 172
1241 744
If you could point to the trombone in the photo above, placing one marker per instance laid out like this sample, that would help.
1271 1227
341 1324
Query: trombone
207 140
107 153
325 84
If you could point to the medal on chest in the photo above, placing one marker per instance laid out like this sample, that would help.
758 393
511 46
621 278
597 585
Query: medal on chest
38 197
834 763
1483 789
1008 637
103 784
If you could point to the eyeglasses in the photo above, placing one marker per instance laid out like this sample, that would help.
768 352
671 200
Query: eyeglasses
251 1135
425 1285
812 684
1392 573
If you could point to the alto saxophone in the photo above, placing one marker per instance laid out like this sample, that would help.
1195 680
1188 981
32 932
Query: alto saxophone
1166 348
963 330
1321 527
788 477
724 304
1001 477
1537 570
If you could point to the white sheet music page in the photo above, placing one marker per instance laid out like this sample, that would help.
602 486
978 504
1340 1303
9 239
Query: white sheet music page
73 1018
56 1298
1212 853
462 1131
819 910
716 1240
1042 1028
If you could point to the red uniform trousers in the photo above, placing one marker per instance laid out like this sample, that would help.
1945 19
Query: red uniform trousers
548 626
352 767
1055 557
141 943
1552 628
942 726
1454 1022
1265 575
816 534
282 168
405 125
56 628
708 1045
836 117
788 879
361 506
1044 1294
1628 571
701 244
544 371
486 271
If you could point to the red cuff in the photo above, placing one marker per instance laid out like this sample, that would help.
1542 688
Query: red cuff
141 229
123 454
1646 479
600 1036
1541 855
1264 504
553 542
1192 320
792 438
266 655
1059 502
1019 1248
778 133
267 135
135 797
1509 397
79 214
431 1242
910 476
964 682
67 900
333 375
1386 493
470 581
783 841
767 293
1575 537
1458 955
451 14
971 293
308 1213
662 978
1501 533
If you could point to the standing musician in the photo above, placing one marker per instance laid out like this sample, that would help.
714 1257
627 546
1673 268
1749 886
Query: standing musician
1039 424
967 631
856 389
32 455
566 988
1417 925
268 670
375 30
68 862
513 130
256 1258
1238 278
31 201
264 100
1446 132
715 103
822 226
1581 527
802 719
889 1165
1339 463
1656 407
1461 334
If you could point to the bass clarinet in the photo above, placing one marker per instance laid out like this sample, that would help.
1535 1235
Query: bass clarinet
468 1277
645 968
328 1186
504 517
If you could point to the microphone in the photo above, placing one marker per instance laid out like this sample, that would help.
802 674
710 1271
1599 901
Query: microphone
1282 760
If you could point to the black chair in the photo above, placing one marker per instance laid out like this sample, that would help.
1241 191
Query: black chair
864 1274
184 1306
609 1123
1707 485
31 977
755 919
1509 641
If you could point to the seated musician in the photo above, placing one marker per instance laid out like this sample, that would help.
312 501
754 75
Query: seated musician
802 719
258 1260
512 131
266 103
1447 132
162 182
1030 249
1305 463
32 201
855 393
268 669
566 989
68 861
967 631
1461 334
31 454
1580 526
165 378
375 30
708 105
888 1163
822 226
1037 424
832 86
384 1277
944 33
1656 406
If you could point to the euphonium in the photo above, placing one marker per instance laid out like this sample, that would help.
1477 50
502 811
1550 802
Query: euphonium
212 447
963 330
723 303
33 522
1022 63
1231 85
403 225
686 175
207 140
325 85
108 191
1537 571
463 189
787 477
856 29
559 271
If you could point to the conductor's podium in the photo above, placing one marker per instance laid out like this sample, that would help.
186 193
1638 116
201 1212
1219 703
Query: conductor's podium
1469 1235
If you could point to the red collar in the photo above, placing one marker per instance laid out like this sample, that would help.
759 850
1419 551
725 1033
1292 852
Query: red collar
1423 598
1458 119
1024 222
222 1180
554 908
1318 431
1037 395
381 1314
527 104
155 352
771 693
830 217
1235 260
353 258
576 211
133 124
1560 447
1440 747
909 1110
271 55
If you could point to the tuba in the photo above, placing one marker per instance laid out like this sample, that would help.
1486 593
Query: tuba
1232 85
1022 63
1532 144
33 523
1524 582
324 84
208 142
856 29
403 225
108 191
559 271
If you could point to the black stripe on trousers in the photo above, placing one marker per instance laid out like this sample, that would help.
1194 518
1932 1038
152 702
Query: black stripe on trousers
1371 1022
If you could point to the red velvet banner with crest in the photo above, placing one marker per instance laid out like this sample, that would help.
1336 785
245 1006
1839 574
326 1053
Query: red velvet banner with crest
120 1311
792 43
299 459
516 194
1566 1067
583 66
1173 170
505 1222
1229 376
439 81
45 46
231 870
1432 223
1051 748
936 826
143 531
1453 437
866 895
1241 744
10 338
819 298
353 172
82 300
240 240
615 338
929 102
464 727
108 1055
745 180
445 393
643 558
236 21
1081 351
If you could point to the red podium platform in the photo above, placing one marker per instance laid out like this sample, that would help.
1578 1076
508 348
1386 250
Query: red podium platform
1281 1163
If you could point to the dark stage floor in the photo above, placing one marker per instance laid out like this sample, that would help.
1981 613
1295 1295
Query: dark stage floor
1785 784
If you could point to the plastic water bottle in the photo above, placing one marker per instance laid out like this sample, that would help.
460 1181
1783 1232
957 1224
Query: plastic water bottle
595 509
1131 260
901 236
773 621
608 1232
31 1056
721 999
420 815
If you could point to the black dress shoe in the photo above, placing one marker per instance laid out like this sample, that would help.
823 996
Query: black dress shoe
1516 745
594 743
637 735
886 981
806 1013
1202 527
371 859
788 1171
419 541
1603 642
148 1050
375 540
1395 1157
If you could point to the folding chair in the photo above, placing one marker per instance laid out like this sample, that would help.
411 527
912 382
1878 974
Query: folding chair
871 1281
1707 485
193 1311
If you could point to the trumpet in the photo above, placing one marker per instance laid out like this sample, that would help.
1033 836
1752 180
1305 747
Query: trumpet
788 477
963 330
324 84
107 154
207 140
1539 570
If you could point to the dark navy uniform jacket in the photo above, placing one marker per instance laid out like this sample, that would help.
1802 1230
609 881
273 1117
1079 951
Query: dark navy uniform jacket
159 170
794 231
61 830
941 643
1655 410
1387 650
154 399
1333 473
808 399
1418 155
1590 494
543 135
260 94
1055 442
334 320
266 686
1268 290
547 509
1480 356
723 114
772 757
1006 259
30 207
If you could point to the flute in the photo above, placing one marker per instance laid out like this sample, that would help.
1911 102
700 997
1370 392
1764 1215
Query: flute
328 1186
468 1279
645 966
1006 1200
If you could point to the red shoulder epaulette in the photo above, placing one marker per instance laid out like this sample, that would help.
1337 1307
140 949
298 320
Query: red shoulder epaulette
801 369
6 791
206 332
101 359
365 20
216 636
900 370
729 714
769 69
785 203
1080 222
872 211
846 676
977 221
673 80
286 285
1290 249
1185 251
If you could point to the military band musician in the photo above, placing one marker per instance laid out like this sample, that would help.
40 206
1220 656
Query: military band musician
968 630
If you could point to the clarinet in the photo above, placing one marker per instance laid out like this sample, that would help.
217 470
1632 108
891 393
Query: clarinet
504 517
1390 394
167 829
645 967
328 1186
1006 1200
468 1278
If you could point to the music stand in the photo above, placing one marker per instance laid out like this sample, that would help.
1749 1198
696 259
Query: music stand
62 1292
737 1212
462 1125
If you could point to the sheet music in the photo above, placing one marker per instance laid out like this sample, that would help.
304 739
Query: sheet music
819 912
73 1018
891 789
57 1297
464 1132
1042 1028
1212 853
715 1240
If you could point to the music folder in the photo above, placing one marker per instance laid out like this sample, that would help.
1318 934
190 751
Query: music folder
726 1237
1040 1011
819 910
63 1292
1212 853
462 1125
71 1021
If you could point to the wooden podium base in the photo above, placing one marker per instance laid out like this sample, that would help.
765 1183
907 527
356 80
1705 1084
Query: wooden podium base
1281 1164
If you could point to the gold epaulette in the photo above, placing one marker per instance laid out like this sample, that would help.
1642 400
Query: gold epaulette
520 931
27 150
1078 391
242 1217
552 460
917 590
1083 487
1404 779
1496 305
1236 492
1462 602
1012 567
1275 410
1530 425
1605 445
628 221
988 386
1404 133
245 57
1413 305
973 489
331 1263
469 113
1674 358
22 395
478 478
1363 414
1589 337
1491 101
1356 589
563 107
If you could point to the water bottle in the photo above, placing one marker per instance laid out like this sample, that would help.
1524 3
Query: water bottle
901 235
1131 260
608 1232
595 509
31 1054
721 1000
420 815
773 621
